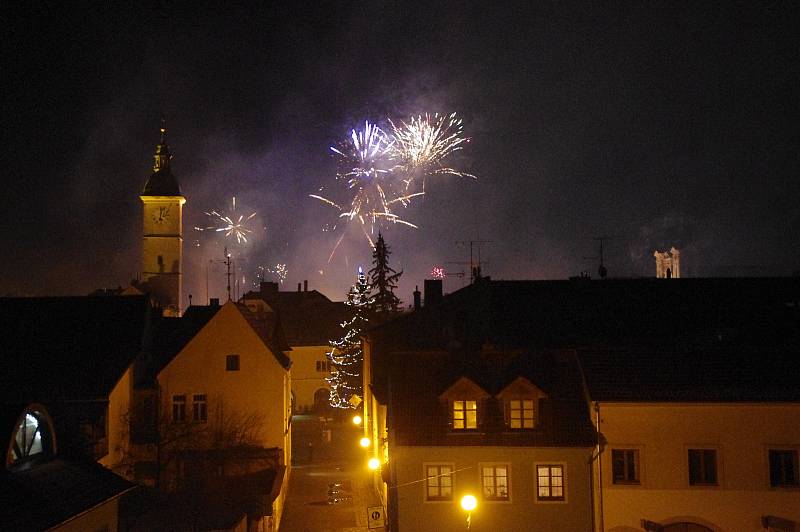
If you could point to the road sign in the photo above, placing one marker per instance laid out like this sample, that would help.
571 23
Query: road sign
376 517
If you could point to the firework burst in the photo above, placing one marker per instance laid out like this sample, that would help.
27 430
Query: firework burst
279 270
383 171
232 225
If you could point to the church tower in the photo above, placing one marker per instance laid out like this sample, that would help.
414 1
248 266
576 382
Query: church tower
162 227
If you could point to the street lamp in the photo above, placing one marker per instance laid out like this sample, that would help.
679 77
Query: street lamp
374 463
364 442
357 420
469 503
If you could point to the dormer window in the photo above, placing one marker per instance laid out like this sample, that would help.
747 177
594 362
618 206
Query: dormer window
465 415
520 414
462 400
521 400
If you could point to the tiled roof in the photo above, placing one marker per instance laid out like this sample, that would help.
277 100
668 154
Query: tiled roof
268 328
648 339
307 317
48 494
68 347
162 183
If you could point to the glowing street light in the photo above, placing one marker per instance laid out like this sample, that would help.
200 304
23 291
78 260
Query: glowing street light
364 442
469 503
374 463
357 420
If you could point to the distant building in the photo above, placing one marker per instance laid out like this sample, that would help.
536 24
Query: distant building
162 228
693 411
668 264
310 321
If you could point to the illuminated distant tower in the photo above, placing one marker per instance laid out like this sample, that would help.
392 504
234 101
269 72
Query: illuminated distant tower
162 228
668 264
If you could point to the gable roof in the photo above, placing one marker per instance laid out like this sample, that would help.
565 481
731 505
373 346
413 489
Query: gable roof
68 347
173 334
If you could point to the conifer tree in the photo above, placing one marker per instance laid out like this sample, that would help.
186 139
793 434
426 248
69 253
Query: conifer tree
383 280
346 356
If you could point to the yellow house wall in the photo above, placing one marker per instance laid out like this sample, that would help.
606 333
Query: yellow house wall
119 408
306 380
742 435
522 513
260 387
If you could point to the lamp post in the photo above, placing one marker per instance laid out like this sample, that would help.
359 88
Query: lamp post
468 503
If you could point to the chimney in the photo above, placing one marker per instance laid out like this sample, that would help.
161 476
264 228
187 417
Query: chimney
433 291
417 298
299 286
305 285
214 302
268 290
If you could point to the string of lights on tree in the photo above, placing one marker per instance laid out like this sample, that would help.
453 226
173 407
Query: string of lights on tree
346 355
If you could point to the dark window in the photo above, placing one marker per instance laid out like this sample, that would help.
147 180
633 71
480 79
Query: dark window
323 365
178 408
625 466
550 482
783 468
702 467
199 408
232 363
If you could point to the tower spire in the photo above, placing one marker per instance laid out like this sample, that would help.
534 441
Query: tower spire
162 155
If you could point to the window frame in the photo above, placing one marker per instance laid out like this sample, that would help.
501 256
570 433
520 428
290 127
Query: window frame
510 413
538 499
229 362
637 456
179 405
703 483
425 494
464 410
795 451
494 466
199 407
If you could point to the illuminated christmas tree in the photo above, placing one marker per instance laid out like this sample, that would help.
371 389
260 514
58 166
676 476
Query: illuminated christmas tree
345 355
383 280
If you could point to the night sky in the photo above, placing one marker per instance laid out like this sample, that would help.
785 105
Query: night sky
653 124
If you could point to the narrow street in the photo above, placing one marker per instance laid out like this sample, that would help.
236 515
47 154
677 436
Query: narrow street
329 489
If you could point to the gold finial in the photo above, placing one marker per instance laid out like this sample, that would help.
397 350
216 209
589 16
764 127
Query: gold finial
163 129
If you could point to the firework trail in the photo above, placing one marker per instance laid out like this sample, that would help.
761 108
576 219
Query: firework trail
437 272
230 224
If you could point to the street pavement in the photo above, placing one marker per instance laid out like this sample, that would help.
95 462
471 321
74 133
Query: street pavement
309 507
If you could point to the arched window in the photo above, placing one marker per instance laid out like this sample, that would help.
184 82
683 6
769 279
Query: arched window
32 438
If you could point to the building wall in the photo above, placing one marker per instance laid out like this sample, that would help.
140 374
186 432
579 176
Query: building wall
522 513
306 378
119 418
103 517
260 387
741 434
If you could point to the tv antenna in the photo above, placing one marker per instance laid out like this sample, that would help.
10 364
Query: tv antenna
602 271
474 265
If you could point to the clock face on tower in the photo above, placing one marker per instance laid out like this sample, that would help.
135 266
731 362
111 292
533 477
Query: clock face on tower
160 214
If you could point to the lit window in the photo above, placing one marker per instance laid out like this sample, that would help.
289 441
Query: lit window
702 467
232 363
550 482
439 482
783 468
199 408
625 466
494 480
465 415
520 414
178 408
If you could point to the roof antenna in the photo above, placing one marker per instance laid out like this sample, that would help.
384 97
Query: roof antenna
602 271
